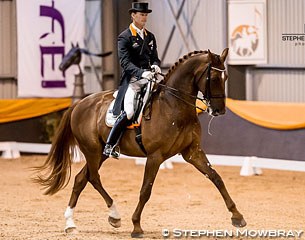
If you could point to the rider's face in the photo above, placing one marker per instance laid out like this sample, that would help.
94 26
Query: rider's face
139 19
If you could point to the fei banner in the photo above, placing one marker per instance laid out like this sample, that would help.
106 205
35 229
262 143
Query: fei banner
247 33
46 29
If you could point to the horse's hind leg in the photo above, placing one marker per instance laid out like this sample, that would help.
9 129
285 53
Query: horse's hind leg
80 183
198 159
94 178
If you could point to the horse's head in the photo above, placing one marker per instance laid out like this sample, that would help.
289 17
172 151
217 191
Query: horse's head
211 82
72 57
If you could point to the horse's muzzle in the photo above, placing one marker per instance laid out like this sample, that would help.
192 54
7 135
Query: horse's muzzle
216 112
62 67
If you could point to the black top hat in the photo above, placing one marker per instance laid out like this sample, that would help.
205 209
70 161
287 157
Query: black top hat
139 7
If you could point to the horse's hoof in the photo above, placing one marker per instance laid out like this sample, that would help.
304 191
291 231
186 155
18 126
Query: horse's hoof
71 230
114 222
137 235
238 222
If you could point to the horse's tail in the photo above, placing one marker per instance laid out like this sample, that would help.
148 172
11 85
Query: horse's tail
55 173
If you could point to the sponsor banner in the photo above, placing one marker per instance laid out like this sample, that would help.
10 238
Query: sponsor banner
46 29
247 35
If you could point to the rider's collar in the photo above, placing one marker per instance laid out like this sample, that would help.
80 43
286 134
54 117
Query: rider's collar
134 30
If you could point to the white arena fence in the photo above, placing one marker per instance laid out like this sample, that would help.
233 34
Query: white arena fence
250 165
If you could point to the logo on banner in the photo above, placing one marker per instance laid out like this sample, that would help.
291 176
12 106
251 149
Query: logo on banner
57 27
45 30
244 40
247 32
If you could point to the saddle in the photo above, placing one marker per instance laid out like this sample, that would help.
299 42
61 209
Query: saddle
139 106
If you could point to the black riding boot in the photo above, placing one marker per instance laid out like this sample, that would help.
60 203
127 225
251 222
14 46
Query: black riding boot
115 135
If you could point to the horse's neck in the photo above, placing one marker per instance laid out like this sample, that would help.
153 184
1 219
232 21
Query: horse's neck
182 83
182 79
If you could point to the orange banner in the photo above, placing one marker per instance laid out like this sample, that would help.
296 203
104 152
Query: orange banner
281 116
18 109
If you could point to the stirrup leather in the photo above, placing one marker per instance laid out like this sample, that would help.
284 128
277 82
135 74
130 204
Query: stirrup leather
110 151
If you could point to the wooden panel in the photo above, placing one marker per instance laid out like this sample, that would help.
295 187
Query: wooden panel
8 44
8 88
279 85
285 17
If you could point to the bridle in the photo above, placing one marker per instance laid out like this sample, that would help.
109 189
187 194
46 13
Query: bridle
207 96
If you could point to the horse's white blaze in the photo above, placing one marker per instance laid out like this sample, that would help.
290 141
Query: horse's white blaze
69 218
113 212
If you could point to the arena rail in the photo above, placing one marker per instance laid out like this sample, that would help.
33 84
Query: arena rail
250 165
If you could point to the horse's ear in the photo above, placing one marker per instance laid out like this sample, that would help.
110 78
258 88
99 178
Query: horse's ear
224 54
210 54
77 45
72 45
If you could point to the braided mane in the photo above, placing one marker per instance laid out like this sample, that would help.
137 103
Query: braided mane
181 60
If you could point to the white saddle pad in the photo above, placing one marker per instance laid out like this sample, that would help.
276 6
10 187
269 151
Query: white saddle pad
110 119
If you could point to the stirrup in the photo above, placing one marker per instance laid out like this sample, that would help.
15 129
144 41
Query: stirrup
110 151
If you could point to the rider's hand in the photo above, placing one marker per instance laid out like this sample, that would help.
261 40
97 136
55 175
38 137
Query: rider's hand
156 69
148 75
159 78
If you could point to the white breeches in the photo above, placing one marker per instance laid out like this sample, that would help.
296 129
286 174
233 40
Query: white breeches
128 102
132 89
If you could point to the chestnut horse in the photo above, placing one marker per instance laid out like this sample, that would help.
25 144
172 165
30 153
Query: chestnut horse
173 128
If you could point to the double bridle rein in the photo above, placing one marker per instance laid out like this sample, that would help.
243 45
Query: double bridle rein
207 96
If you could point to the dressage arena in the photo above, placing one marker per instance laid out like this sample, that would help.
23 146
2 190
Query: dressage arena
246 58
182 198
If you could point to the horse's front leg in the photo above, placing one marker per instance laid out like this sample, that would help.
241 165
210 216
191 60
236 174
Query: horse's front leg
195 155
151 170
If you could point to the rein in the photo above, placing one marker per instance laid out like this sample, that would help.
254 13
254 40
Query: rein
207 96
172 90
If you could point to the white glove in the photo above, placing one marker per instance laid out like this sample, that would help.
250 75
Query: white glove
156 69
148 75
159 78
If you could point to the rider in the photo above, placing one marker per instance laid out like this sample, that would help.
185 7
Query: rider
137 51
